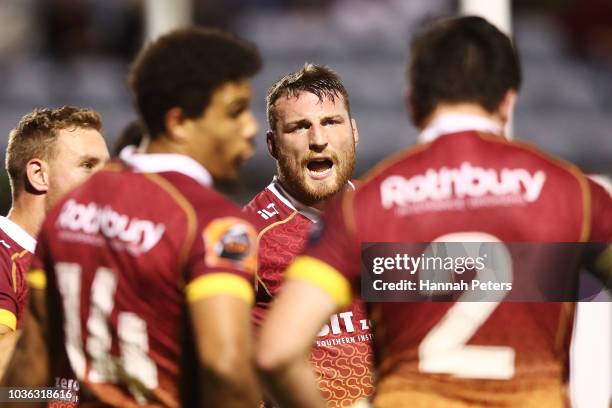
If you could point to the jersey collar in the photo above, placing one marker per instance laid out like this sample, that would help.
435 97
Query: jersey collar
18 234
162 162
457 122
313 214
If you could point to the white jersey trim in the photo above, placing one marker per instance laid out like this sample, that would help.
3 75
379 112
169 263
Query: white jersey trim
309 212
457 122
18 234
162 162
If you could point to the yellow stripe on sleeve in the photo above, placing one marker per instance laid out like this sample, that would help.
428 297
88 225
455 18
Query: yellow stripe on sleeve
324 276
8 319
36 279
220 283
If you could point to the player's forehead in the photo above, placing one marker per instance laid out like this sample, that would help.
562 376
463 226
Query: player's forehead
307 105
231 92
80 141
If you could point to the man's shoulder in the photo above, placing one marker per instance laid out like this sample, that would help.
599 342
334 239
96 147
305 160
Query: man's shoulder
160 190
12 254
7 245
7 252
466 154
268 208
14 240
167 201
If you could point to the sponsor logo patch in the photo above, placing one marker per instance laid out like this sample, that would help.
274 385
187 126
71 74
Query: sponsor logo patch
268 212
231 242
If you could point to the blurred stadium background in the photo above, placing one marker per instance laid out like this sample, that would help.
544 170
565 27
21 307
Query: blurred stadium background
57 52
77 52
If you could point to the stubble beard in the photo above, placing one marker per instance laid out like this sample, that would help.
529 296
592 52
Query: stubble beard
294 179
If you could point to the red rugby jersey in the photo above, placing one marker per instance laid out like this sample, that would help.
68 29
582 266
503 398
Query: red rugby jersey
342 355
16 248
124 253
428 192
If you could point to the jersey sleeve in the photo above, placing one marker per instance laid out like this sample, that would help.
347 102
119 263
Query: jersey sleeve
223 259
8 298
331 259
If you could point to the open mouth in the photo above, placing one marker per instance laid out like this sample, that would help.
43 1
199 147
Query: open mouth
320 168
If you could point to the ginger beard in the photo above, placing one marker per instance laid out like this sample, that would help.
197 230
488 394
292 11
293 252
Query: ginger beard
318 176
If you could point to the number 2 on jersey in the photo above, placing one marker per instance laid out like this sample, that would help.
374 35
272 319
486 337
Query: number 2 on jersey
444 349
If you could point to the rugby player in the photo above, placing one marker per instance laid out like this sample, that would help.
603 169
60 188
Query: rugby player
464 76
312 137
145 266
49 152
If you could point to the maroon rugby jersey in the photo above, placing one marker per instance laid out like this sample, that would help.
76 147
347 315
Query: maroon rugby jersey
16 248
123 255
464 181
342 356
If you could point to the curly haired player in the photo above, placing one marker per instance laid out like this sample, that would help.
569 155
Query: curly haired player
146 268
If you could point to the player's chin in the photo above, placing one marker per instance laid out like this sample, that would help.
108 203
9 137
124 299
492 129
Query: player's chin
230 175
324 187
231 172
242 158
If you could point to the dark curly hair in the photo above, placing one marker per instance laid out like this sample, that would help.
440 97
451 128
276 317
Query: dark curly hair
316 79
131 135
183 69
459 60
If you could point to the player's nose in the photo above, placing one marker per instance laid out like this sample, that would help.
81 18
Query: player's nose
250 127
317 139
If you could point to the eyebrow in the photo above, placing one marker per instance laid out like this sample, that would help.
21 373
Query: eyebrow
336 117
94 159
307 121
239 101
297 122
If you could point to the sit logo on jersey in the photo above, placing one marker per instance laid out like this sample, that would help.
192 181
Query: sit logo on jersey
482 187
86 221
231 242
268 212
354 331
348 321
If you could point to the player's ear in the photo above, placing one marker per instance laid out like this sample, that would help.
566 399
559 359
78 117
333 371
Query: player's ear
507 106
355 131
175 124
37 174
271 143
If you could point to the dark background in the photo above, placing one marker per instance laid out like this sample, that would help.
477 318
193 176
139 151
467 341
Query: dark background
58 52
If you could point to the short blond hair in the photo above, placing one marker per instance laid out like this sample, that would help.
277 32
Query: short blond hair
35 136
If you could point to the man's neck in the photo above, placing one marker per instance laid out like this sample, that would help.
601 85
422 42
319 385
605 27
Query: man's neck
160 145
466 109
28 212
